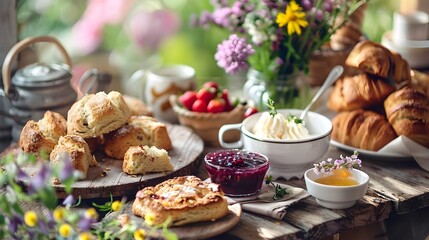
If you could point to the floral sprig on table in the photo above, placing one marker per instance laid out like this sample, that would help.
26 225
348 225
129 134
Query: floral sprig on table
347 162
279 192
58 220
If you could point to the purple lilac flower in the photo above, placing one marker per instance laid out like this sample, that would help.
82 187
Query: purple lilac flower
69 201
221 16
318 14
67 168
85 223
306 4
40 179
232 54
328 5
270 3
13 222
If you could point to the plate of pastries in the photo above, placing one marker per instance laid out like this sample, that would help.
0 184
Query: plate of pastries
383 100
117 148
195 208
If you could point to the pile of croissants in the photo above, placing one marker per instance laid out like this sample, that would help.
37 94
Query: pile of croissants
383 100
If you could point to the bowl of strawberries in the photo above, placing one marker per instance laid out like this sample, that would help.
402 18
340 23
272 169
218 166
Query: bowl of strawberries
206 109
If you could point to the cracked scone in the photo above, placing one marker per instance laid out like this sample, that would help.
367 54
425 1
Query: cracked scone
44 134
139 130
97 114
145 159
186 199
77 149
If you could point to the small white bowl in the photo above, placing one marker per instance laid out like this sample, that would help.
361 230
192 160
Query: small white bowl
288 158
336 197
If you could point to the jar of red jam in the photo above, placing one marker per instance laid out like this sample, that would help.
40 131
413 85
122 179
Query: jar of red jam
239 172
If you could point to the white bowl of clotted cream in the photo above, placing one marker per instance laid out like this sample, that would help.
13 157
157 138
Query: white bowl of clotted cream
289 158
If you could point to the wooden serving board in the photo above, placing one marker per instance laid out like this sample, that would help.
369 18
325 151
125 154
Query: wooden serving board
200 230
108 179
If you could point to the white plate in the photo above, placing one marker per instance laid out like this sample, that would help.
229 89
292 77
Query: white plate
385 156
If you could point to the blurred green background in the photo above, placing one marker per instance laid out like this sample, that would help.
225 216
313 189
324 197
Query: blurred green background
189 45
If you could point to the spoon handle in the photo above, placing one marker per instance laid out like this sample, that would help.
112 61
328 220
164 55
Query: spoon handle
332 77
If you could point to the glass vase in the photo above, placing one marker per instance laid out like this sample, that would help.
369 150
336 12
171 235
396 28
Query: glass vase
289 91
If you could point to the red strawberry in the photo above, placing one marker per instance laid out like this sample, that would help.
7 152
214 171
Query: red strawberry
211 85
199 106
188 98
206 94
216 105
250 111
225 97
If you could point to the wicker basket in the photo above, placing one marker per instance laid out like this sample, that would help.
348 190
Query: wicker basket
207 125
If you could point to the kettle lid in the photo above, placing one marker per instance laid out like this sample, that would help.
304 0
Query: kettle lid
40 75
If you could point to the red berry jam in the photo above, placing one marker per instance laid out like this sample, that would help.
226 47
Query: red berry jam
239 172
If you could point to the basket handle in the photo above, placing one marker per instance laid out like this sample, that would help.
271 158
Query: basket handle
7 64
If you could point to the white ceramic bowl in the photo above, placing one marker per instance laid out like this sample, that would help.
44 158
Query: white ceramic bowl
336 197
288 158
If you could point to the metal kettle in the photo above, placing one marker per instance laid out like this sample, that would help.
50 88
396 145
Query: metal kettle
37 87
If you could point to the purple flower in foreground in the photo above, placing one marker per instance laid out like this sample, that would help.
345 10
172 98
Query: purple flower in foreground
232 54
69 201
85 223
67 169
40 179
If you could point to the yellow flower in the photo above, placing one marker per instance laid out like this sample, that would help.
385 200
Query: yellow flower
85 236
91 213
59 214
293 17
30 218
116 205
140 234
65 230
149 218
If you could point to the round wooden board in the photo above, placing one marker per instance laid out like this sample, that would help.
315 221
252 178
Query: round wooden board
108 179
201 230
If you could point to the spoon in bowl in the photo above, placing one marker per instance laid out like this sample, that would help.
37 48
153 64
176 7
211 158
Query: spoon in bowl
332 77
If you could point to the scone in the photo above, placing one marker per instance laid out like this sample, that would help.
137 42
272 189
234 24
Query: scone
97 114
137 107
77 149
145 159
186 199
44 134
140 130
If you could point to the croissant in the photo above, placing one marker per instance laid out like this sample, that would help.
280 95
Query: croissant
373 58
362 129
359 91
407 110
420 81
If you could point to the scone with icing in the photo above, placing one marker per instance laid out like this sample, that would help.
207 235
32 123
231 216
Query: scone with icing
186 199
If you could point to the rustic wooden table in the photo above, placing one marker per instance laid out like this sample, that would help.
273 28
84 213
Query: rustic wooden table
395 188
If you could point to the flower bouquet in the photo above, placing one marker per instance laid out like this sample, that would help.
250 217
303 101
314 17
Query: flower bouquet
275 39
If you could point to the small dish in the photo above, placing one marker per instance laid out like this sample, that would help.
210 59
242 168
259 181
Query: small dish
336 197
239 173
288 158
